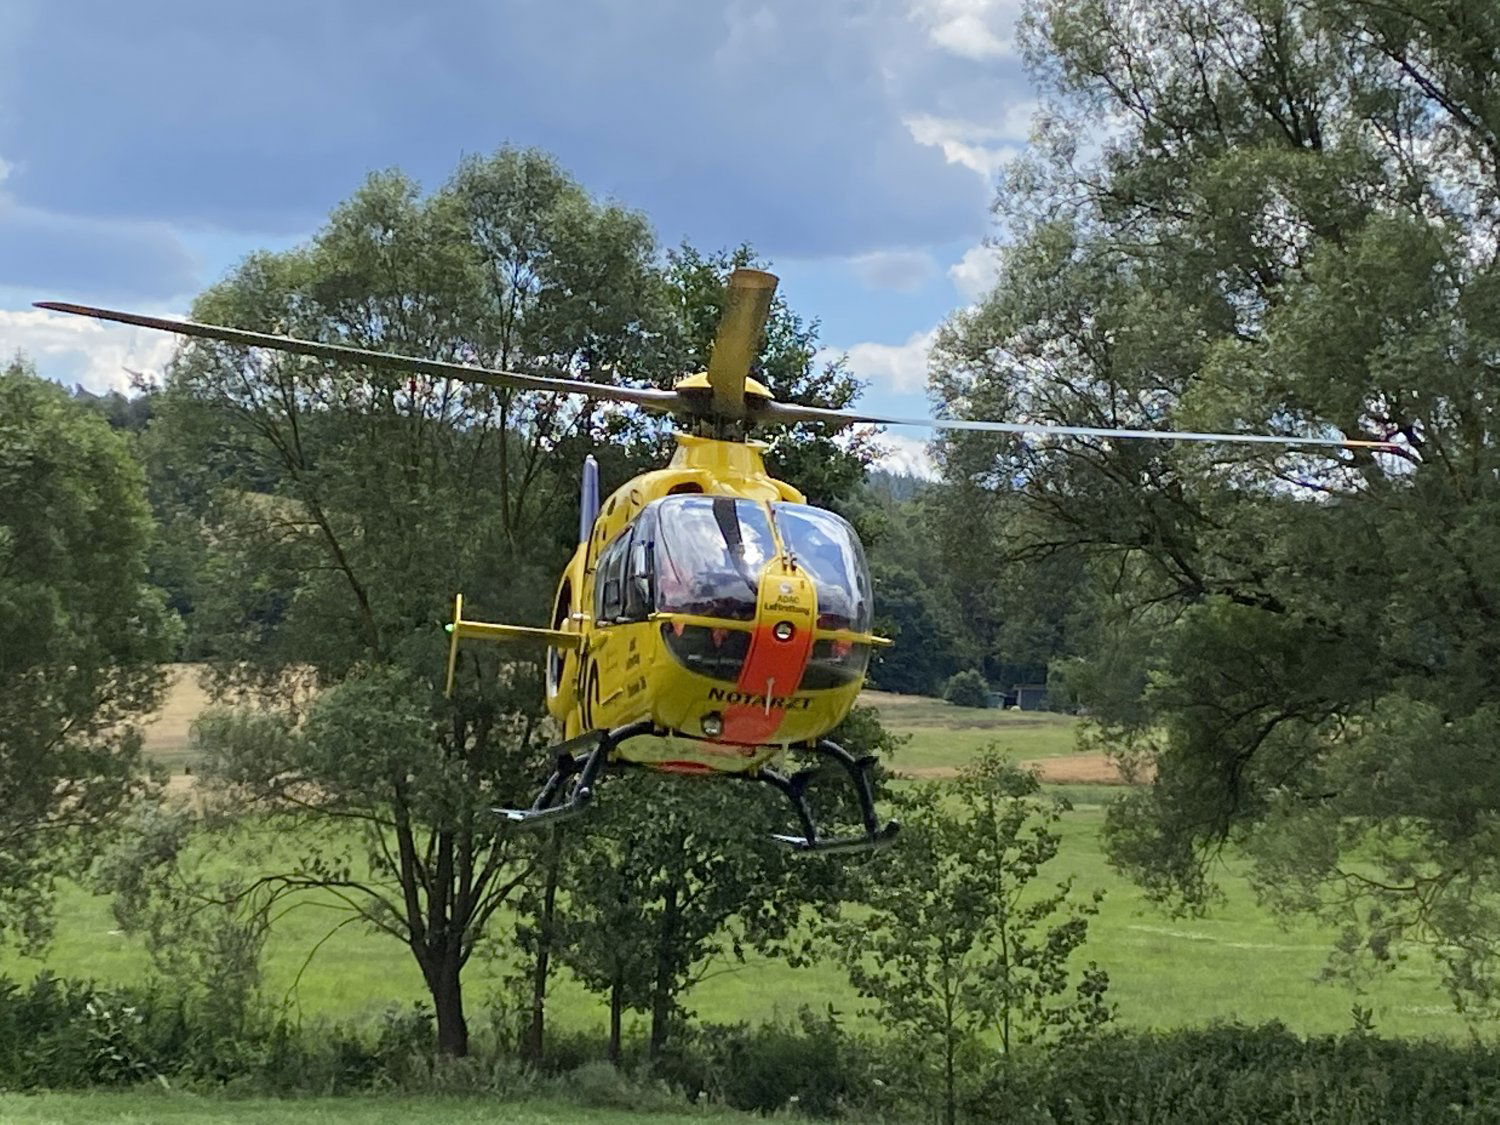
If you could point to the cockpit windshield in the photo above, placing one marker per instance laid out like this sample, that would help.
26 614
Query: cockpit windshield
826 547
703 555
710 551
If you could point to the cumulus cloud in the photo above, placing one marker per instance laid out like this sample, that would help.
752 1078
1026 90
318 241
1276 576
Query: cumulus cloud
75 349
978 146
974 274
892 367
902 270
970 29
905 455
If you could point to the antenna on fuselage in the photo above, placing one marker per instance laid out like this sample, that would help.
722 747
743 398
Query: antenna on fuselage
588 504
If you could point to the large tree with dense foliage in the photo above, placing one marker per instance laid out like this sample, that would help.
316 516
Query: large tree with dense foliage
346 507
81 638
1271 216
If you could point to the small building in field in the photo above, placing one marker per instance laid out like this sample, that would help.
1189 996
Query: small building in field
1031 697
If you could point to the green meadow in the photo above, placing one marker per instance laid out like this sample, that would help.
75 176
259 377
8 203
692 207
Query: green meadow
944 737
1238 962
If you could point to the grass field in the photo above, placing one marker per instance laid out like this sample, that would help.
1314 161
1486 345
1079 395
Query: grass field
945 737
148 1108
1236 963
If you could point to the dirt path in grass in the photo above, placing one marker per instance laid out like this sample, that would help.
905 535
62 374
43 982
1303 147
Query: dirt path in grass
1075 769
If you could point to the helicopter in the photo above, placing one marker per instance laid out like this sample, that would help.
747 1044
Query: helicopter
710 620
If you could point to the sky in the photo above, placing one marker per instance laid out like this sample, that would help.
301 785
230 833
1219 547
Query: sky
145 148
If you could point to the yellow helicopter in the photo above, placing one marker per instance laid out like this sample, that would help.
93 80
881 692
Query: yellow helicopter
710 620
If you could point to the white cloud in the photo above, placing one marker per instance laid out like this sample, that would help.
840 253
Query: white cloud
974 274
76 349
894 367
905 455
902 270
6 168
970 29
973 144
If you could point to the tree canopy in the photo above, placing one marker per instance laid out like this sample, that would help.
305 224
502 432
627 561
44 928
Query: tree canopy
81 638
1269 217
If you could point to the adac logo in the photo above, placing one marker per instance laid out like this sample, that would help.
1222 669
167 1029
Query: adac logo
750 698
786 589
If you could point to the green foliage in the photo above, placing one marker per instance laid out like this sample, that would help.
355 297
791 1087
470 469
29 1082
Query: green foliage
924 655
205 921
959 942
967 689
674 877
1245 1074
81 635
809 1065
1271 240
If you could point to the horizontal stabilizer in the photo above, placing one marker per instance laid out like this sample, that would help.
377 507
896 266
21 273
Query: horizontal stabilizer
459 629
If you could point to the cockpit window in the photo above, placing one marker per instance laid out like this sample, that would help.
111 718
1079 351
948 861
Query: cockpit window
710 551
826 547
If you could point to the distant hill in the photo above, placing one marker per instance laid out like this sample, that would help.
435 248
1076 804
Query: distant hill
896 487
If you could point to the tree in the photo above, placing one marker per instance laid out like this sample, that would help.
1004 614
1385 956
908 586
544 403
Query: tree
959 941
1290 228
677 876
347 507
967 689
81 638
922 657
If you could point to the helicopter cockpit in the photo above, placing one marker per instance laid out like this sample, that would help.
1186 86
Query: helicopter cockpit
703 556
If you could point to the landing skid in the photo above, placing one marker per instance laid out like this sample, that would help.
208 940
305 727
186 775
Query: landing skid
875 835
570 789
551 804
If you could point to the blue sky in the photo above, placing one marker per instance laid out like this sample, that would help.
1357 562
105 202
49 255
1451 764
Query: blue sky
146 147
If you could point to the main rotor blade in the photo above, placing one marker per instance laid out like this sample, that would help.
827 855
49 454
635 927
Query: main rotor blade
650 398
787 413
747 304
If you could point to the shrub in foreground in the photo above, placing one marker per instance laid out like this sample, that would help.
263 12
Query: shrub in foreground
61 1034
1233 1073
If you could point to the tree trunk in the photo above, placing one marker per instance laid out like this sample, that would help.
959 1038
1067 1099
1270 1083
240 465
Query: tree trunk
616 1009
448 1004
661 990
950 1100
536 1034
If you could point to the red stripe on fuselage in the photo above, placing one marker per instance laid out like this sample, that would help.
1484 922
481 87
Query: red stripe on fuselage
772 668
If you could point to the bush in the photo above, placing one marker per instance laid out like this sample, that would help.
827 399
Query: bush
60 1034
1244 1074
967 689
811 1066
